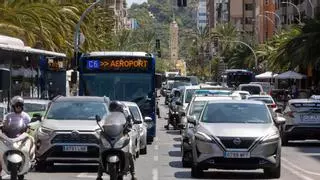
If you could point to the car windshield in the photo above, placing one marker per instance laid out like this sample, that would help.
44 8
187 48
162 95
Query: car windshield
76 110
189 94
262 99
236 113
251 89
196 108
135 113
177 84
32 107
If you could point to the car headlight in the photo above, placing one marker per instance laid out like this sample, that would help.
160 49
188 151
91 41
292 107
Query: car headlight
122 142
45 130
274 137
203 137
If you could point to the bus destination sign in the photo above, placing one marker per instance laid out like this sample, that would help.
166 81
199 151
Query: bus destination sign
117 64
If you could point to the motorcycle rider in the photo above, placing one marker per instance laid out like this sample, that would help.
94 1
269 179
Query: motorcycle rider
17 104
116 106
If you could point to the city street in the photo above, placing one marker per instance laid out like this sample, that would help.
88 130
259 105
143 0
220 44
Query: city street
299 161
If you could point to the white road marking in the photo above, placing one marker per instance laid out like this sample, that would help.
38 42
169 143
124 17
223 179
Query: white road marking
156 158
154 174
293 171
156 147
299 168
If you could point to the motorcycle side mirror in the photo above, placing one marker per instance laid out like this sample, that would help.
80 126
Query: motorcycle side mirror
192 120
98 118
36 117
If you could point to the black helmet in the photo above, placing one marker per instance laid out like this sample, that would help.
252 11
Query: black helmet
14 126
116 106
17 101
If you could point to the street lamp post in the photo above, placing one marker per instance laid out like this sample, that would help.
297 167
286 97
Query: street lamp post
241 42
298 10
312 8
279 19
77 31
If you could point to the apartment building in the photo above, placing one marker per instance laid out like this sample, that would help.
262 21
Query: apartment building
289 10
119 9
217 12
202 14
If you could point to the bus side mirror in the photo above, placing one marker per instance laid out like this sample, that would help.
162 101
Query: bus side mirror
4 79
158 78
74 77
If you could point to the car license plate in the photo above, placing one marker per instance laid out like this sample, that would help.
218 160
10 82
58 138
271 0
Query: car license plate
310 118
237 154
75 148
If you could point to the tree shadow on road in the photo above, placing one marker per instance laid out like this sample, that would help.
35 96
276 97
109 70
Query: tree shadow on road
304 144
72 169
177 145
173 132
221 175
176 164
175 153
177 139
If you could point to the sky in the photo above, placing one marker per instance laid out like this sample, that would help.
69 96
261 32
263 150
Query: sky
135 1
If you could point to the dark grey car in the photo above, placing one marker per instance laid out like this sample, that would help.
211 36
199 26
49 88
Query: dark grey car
235 134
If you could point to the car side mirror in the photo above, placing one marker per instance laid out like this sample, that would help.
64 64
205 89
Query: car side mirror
278 110
98 118
192 120
137 122
36 117
178 103
280 120
148 121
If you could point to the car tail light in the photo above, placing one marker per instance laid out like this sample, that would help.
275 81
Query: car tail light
273 106
290 114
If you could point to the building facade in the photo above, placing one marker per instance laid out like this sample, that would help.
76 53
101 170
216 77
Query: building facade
218 11
202 14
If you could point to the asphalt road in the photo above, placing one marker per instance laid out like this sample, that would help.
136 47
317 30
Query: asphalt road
300 161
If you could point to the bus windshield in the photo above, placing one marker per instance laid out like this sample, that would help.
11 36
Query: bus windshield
119 86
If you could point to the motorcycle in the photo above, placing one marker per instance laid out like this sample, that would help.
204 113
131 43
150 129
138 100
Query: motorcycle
115 146
174 118
17 149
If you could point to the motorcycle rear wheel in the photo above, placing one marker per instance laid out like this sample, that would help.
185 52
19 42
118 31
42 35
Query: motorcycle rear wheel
21 177
14 173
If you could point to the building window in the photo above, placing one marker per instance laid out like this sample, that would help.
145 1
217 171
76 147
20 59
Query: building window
248 7
267 2
202 14
248 20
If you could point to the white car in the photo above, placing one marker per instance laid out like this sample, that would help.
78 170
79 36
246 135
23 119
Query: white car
267 99
243 94
142 127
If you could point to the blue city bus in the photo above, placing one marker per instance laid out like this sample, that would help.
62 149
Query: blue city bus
124 76
235 77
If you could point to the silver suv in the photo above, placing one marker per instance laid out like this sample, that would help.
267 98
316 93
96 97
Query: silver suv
302 120
234 134
68 131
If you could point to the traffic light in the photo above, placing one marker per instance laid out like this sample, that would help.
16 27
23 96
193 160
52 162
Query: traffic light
157 43
216 42
182 3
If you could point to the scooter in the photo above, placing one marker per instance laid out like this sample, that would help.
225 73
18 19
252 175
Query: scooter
18 154
115 147
174 118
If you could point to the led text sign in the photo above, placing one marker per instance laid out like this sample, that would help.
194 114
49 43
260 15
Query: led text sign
117 64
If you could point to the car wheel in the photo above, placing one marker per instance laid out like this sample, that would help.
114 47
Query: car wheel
274 172
144 150
42 166
196 172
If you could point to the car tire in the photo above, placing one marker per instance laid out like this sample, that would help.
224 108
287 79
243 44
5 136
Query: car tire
42 166
273 172
144 150
196 172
